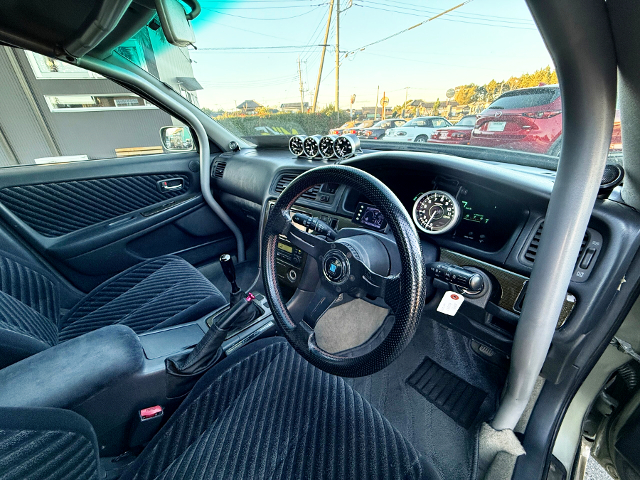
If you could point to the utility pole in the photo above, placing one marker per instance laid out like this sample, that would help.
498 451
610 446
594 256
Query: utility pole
406 99
301 87
338 58
384 105
324 49
375 114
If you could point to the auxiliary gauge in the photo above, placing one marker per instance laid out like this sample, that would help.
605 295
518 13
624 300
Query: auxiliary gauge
296 145
346 146
436 212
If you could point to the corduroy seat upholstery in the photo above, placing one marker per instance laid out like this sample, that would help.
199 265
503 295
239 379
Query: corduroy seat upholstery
262 413
156 293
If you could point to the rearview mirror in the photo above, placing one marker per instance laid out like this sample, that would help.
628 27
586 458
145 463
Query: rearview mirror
176 139
175 21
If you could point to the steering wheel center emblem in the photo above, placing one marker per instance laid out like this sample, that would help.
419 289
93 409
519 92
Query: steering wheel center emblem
335 266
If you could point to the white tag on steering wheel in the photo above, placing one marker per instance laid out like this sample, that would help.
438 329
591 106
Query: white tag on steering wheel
450 303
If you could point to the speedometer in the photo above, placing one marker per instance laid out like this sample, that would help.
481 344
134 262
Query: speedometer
436 212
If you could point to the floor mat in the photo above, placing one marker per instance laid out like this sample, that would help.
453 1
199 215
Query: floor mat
455 397
447 445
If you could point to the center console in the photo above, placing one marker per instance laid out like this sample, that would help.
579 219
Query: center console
113 377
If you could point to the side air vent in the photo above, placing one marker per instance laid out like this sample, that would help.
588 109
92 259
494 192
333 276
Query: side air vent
532 248
287 178
218 169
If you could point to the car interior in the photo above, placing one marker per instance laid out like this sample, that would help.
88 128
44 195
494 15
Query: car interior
226 308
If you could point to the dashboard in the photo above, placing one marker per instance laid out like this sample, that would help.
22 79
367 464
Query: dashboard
472 213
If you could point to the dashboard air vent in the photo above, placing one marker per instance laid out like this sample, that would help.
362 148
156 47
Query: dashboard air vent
287 178
218 170
532 248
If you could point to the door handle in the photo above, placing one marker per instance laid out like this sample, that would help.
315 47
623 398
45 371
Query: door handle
170 184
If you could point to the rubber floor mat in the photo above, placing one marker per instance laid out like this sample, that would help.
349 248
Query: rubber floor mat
458 399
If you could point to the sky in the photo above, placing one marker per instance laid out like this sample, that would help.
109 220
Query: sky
249 49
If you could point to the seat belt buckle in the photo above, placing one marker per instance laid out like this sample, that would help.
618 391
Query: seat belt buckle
145 425
151 412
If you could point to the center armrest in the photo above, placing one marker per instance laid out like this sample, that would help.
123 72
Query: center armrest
67 374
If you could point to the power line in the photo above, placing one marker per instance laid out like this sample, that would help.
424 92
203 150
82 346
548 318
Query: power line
233 27
452 19
422 9
314 38
274 47
278 18
257 1
410 28
240 7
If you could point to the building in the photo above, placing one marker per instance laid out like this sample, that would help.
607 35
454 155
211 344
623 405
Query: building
249 107
370 112
52 111
294 107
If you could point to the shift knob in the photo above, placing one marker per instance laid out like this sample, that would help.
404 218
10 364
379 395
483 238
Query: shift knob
229 271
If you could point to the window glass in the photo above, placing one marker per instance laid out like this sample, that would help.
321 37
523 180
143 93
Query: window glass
418 122
53 112
264 68
88 103
467 122
526 98
45 67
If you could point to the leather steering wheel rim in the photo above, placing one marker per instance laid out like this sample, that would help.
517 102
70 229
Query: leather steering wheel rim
406 291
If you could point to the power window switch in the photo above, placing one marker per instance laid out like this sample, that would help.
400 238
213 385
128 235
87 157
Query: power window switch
587 258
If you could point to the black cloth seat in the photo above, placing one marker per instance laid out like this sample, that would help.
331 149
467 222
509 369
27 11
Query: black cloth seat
262 413
156 293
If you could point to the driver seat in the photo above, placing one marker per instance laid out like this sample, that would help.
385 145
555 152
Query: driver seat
262 413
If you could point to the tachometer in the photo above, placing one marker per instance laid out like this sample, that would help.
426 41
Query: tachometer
436 212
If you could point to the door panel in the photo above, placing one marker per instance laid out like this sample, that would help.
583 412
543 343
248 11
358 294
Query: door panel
93 219
55 209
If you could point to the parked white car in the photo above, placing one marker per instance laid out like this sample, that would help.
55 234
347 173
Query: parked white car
418 129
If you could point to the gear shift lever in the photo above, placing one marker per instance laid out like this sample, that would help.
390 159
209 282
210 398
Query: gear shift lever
229 271
237 295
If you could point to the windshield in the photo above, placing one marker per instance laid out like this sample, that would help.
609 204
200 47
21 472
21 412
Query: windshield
277 68
417 122
467 122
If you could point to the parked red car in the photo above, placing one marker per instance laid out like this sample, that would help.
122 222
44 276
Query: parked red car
528 119
458 134
616 135
341 129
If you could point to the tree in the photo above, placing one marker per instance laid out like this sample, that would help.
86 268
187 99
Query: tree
492 87
406 107
328 110
436 108
464 94
262 111
480 95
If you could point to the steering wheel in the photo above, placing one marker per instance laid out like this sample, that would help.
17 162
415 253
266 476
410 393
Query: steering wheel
357 262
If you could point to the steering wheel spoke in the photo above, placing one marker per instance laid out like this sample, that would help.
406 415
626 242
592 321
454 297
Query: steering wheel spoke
319 304
376 285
